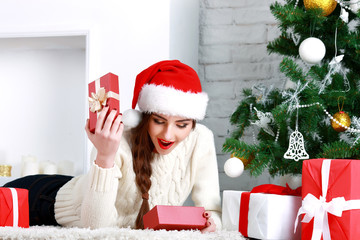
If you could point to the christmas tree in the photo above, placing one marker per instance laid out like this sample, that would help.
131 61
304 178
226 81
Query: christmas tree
319 116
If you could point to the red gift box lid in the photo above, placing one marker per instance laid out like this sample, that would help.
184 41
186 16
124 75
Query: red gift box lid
175 218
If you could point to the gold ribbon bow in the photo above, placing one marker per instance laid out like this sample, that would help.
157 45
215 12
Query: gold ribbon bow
98 100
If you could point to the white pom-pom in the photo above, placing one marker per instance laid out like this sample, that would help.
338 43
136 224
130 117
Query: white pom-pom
131 118
234 167
312 50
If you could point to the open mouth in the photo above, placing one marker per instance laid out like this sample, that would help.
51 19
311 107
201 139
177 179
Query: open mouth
165 144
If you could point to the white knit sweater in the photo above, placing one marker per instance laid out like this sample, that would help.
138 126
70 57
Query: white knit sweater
110 197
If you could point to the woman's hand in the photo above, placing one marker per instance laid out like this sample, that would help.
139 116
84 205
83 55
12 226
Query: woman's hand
210 224
106 138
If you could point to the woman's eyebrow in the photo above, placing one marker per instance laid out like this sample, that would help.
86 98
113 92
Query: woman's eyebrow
159 117
184 120
181 120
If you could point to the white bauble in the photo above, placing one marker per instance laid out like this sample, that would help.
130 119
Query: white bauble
234 167
312 50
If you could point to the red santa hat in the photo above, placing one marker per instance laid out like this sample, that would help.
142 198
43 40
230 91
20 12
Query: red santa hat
171 88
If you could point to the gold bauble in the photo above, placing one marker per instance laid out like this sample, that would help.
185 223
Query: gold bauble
343 118
328 6
244 160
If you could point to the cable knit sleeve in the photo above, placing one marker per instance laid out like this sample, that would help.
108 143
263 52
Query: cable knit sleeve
98 205
206 190
89 200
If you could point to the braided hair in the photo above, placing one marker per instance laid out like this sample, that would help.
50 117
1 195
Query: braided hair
142 148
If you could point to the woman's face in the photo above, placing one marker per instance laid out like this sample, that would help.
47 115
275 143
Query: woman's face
166 132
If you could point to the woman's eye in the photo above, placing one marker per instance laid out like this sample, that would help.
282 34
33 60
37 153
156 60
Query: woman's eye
182 125
158 121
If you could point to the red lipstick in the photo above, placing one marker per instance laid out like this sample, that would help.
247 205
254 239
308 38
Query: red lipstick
165 144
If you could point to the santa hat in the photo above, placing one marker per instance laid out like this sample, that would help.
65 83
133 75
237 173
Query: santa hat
168 87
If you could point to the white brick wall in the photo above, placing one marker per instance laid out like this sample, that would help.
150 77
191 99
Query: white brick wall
232 56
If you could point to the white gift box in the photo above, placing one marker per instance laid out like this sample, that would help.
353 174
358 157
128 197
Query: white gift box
270 216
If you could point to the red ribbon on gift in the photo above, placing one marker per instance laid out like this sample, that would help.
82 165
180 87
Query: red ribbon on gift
265 188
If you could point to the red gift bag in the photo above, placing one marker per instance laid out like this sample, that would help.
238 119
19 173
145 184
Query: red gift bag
14 207
175 218
103 92
331 199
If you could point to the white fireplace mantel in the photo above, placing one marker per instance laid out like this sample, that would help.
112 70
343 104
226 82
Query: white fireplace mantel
90 38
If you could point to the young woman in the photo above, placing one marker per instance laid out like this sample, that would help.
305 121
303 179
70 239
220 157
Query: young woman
160 161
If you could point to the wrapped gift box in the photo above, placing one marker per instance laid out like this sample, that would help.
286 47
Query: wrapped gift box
175 218
331 191
261 215
14 207
103 92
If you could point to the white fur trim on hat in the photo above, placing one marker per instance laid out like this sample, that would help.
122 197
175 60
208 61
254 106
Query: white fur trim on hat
170 101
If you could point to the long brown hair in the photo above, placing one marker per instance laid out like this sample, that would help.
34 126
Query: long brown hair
142 151
142 148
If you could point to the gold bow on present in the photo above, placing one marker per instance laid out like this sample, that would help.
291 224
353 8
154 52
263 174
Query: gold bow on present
98 100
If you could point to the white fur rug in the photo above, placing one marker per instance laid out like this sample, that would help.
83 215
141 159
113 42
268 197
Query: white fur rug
59 233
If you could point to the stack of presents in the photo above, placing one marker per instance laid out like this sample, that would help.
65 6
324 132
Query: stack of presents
326 206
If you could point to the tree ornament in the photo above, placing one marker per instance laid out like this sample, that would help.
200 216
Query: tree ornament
335 67
312 50
342 118
340 121
264 120
296 149
293 98
245 161
344 15
233 167
328 6
354 6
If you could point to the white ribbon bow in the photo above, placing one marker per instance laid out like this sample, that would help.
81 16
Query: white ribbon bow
98 100
318 208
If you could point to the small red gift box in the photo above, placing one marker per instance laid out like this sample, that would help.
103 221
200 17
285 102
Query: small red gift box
14 207
331 199
103 92
175 218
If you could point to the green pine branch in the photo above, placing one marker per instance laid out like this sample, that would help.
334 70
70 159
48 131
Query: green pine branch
342 92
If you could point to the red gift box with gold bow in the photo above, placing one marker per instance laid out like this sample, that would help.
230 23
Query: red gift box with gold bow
14 207
103 92
331 199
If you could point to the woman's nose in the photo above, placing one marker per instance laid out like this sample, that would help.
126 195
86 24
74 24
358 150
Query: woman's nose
168 133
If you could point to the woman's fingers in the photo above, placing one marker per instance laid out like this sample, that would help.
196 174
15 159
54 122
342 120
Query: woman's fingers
101 119
117 125
109 121
207 214
210 226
